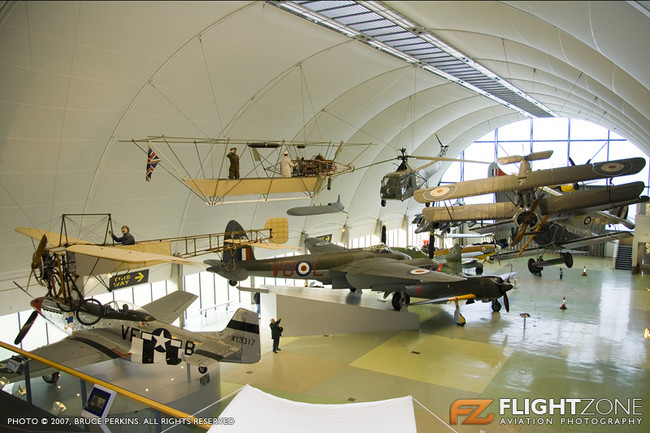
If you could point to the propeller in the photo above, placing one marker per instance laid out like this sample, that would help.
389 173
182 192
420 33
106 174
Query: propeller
30 321
36 259
544 220
504 286
26 327
522 229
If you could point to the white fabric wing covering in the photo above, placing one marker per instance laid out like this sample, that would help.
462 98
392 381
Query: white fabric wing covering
255 411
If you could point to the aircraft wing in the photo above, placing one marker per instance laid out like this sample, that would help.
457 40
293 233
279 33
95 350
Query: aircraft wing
170 307
54 239
315 246
120 254
384 273
529 181
82 348
444 300
469 212
598 239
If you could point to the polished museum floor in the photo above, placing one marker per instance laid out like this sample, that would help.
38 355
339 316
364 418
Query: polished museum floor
595 349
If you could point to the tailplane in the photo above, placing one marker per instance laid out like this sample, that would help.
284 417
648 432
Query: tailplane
243 332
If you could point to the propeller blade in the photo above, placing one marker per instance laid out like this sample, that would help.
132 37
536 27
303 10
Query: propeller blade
25 329
506 302
432 240
39 252
544 220
338 150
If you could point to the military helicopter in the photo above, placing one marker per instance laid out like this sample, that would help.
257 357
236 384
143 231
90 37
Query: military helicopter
403 182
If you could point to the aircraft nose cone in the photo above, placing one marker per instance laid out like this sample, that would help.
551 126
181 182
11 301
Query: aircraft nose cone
37 304
505 286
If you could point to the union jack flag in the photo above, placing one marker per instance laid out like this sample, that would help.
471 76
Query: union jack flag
152 162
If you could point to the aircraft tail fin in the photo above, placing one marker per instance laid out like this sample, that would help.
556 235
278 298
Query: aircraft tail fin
234 231
243 332
454 254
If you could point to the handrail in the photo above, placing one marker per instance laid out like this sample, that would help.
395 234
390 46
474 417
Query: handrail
132 395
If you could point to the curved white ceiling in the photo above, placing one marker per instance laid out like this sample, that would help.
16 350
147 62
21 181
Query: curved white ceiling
78 77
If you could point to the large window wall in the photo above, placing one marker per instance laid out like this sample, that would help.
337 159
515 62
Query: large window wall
572 141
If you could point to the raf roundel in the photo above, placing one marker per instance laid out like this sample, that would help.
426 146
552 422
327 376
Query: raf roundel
615 168
439 193
419 271
303 268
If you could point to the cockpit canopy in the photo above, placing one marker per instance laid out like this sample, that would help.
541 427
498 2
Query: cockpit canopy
380 248
124 310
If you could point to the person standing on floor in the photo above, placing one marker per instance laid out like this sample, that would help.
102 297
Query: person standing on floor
276 333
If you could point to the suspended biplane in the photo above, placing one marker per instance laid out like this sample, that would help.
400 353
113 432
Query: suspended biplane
532 209
309 175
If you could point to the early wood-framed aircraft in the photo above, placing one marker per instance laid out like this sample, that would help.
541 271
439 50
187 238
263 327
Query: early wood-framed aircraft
143 335
60 259
531 209
305 175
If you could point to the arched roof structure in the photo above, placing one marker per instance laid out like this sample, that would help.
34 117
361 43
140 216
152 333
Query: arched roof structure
80 79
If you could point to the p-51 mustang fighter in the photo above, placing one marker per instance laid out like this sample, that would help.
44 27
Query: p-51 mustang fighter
119 329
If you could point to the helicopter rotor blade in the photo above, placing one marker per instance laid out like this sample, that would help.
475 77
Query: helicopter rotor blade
440 158
375 163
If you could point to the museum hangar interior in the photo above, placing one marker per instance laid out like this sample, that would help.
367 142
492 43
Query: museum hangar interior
89 87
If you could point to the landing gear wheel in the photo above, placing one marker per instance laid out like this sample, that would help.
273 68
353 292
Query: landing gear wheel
479 269
496 306
383 203
203 369
89 311
568 260
353 290
52 378
232 283
460 320
396 301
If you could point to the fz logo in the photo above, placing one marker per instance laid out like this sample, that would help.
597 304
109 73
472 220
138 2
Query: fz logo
473 408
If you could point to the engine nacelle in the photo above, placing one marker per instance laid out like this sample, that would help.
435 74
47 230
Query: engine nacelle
531 219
